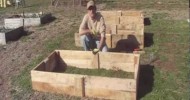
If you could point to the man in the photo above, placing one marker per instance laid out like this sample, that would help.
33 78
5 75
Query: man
92 30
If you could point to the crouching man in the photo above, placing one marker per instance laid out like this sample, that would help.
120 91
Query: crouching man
92 30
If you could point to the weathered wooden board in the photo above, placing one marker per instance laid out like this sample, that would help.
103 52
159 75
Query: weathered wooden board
83 85
122 13
122 17
117 61
56 82
108 40
130 20
131 13
11 23
110 88
80 59
32 21
2 39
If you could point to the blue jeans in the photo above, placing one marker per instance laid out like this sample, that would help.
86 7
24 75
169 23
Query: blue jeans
89 43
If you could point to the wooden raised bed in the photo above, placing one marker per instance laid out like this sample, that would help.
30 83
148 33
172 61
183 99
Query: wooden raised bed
26 19
46 77
10 34
121 24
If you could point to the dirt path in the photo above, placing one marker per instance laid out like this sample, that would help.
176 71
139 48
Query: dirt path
16 55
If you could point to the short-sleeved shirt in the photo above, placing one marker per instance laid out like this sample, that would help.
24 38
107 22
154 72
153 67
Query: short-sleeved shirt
97 24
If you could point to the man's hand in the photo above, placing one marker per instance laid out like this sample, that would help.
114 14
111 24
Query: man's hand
95 51
94 32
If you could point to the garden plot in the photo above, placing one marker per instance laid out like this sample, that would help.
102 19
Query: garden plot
52 74
27 19
10 34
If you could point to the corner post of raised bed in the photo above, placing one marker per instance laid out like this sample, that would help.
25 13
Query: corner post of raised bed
95 61
80 86
136 74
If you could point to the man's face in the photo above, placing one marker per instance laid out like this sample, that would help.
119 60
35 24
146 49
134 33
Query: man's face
92 11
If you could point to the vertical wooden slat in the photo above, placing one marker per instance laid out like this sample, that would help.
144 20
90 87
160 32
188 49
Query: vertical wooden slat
95 61
109 40
79 86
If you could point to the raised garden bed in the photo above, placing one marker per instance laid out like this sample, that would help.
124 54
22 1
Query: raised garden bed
55 75
10 34
27 19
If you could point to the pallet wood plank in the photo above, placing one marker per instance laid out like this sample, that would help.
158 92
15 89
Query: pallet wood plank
117 61
110 88
56 82
79 89
111 83
108 40
2 39
125 32
80 59
131 13
130 20
12 23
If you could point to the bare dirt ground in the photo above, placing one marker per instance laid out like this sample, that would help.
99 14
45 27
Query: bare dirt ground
17 54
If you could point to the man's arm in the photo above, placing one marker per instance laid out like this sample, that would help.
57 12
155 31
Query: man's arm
83 29
102 32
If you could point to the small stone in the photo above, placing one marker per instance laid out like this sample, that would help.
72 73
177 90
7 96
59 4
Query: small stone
159 2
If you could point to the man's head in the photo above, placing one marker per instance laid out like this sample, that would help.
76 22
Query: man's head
91 7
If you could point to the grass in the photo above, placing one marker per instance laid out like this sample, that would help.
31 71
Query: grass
99 72
148 4
171 38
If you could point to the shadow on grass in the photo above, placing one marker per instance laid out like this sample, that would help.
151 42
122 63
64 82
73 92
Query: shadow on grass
147 21
148 39
127 44
146 80
48 19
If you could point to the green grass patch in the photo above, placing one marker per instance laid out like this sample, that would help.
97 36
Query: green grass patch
168 26
52 44
100 72
168 86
